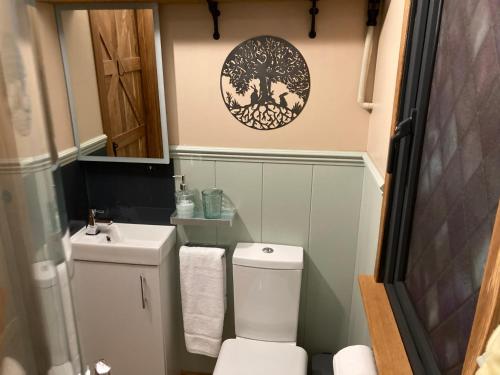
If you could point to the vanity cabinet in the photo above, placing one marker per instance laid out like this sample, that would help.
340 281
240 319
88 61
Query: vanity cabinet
126 314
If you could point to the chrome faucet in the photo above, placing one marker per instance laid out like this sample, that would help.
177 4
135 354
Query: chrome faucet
92 227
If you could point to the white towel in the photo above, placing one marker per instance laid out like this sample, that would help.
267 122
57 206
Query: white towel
489 362
354 360
203 294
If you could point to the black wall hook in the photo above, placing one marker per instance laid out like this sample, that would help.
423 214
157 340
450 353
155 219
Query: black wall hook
313 12
373 10
214 10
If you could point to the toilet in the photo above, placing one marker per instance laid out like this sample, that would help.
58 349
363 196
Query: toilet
267 282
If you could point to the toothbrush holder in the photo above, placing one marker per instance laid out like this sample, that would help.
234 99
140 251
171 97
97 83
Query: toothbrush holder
212 203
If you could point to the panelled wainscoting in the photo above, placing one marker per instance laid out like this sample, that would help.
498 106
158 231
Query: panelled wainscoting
368 231
327 202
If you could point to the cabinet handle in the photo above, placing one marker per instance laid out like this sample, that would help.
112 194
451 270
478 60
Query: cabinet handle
143 298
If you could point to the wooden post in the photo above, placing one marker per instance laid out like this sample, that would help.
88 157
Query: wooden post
3 308
487 316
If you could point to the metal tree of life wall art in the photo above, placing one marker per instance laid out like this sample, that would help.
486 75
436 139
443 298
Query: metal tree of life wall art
265 83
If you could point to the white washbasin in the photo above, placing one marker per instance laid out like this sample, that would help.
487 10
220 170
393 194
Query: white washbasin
125 243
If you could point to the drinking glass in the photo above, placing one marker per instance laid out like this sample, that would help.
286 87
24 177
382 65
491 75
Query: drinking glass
212 203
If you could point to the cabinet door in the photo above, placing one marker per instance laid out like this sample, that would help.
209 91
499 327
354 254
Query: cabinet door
119 316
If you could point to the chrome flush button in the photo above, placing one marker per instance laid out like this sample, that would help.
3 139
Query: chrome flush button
268 250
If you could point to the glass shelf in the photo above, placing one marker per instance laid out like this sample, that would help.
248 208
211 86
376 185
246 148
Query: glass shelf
226 219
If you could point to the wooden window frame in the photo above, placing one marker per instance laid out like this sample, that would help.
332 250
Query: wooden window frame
487 316
400 191
391 355
3 313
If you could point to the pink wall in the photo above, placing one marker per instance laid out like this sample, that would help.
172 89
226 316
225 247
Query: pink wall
51 60
197 115
379 127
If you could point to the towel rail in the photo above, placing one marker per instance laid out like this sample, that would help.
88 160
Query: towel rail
195 244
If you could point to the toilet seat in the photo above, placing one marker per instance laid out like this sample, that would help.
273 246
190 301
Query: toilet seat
251 357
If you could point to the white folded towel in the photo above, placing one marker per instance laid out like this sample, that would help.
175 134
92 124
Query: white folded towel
489 362
203 294
354 360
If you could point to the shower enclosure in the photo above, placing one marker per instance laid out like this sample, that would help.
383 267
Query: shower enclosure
37 328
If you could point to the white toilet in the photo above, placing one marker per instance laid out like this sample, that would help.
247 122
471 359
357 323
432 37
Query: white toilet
267 282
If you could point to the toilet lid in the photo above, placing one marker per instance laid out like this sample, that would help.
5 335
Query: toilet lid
251 357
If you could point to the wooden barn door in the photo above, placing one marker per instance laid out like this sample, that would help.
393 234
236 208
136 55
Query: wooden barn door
124 53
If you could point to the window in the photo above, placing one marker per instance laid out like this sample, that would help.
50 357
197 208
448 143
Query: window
445 182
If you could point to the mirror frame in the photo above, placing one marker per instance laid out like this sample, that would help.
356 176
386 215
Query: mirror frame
159 72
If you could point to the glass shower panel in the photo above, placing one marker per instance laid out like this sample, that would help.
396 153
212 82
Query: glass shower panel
37 328
459 184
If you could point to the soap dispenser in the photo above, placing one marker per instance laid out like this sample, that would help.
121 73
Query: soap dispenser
184 200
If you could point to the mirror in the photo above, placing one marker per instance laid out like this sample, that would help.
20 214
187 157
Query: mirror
114 77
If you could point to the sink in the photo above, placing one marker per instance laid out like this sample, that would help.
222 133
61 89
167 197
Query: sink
125 243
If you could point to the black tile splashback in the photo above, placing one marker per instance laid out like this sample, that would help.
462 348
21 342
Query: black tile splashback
127 192
131 193
75 191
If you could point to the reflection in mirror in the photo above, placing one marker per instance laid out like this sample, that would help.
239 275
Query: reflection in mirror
113 67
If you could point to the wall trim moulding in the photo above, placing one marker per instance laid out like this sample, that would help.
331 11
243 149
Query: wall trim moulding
354 158
71 154
67 156
379 179
93 144
38 163
26 165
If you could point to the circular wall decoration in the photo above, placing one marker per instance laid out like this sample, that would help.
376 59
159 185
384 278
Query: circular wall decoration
265 82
